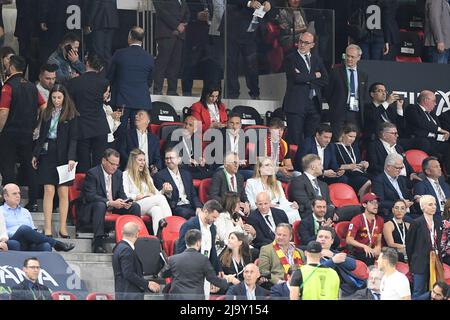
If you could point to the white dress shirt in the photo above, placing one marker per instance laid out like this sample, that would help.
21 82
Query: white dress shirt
251 294
320 151
130 243
130 188
180 186
313 180
143 143
394 182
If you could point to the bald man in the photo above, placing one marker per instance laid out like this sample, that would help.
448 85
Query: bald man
248 289
129 283
423 123
306 77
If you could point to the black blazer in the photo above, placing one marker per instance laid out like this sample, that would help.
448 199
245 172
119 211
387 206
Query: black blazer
383 188
377 155
169 14
418 243
87 92
302 192
306 233
374 117
264 234
22 291
129 283
102 14
130 75
299 83
194 223
418 123
164 176
309 147
52 11
131 142
240 291
219 186
66 140
27 24
336 94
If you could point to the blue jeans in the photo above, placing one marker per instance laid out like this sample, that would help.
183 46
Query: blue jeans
436 57
420 282
372 48
31 240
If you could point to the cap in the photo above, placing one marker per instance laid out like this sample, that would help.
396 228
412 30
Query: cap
369 197
314 247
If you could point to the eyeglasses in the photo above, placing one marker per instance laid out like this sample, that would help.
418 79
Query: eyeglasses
112 163
34 267
394 133
398 168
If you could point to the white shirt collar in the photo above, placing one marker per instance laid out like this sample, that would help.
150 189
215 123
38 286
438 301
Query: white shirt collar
423 109
310 177
318 145
387 145
129 242
106 174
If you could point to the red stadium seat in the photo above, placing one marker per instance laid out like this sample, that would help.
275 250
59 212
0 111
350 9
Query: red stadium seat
415 158
295 227
446 273
122 220
216 297
196 183
341 229
203 194
408 59
154 128
63 295
99 296
404 268
292 150
74 193
171 233
342 194
286 190
361 271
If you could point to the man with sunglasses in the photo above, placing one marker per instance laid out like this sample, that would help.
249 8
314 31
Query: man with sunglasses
30 288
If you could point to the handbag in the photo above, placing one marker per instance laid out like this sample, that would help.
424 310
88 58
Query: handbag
436 269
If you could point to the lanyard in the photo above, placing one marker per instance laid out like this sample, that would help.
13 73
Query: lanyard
401 232
432 231
352 156
236 267
370 235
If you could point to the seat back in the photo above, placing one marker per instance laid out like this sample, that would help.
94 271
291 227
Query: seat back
342 194
63 295
166 129
361 271
122 220
404 268
99 296
411 44
74 193
203 193
171 233
415 158
295 227
249 115
163 112
149 252
341 229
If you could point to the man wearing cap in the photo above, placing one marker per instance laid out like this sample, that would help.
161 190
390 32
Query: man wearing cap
314 281
365 231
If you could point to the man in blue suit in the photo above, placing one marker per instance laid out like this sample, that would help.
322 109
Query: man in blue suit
183 199
130 75
434 184
248 289
320 145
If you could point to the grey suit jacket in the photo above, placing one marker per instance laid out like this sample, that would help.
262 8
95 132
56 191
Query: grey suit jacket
437 23
219 186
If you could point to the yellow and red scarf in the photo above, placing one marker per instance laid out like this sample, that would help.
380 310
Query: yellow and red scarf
284 261
283 149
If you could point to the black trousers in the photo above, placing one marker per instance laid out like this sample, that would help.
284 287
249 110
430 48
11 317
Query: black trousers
90 152
102 41
185 211
303 124
17 148
168 64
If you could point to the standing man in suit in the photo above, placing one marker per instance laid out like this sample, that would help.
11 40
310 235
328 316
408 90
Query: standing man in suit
265 219
426 128
130 76
437 34
30 288
102 18
183 199
87 92
172 17
102 191
306 188
434 183
248 289
190 268
129 283
306 77
346 92
228 179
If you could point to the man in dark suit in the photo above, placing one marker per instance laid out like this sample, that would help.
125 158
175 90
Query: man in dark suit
130 75
265 219
434 183
306 188
190 268
102 18
306 76
391 186
30 288
183 199
426 128
347 91
129 283
320 145
103 190
228 179
172 17
248 289
87 92
143 139
372 292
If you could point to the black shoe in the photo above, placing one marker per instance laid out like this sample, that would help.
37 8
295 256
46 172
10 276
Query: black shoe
99 249
64 236
62 246
32 207
253 97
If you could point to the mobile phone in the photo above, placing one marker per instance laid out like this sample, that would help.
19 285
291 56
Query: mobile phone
129 201
68 47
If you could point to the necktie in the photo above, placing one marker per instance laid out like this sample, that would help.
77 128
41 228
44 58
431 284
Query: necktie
352 83
109 188
268 221
308 64
441 195
316 187
232 183
430 118
376 295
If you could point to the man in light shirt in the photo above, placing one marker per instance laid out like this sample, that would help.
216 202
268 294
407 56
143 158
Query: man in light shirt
394 284
47 78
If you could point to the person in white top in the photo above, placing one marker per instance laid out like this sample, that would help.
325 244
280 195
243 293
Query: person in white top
394 284
47 78
138 186
113 117
264 179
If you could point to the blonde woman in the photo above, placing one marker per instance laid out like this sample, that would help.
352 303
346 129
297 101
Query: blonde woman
138 186
264 179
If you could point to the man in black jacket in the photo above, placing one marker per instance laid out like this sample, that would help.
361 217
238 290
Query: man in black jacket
30 288
129 283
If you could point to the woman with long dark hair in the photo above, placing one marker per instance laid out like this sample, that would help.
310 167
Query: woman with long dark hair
56 146
236 255
210 110
396 229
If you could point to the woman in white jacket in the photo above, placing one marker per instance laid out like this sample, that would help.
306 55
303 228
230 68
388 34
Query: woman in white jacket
264 179
138 186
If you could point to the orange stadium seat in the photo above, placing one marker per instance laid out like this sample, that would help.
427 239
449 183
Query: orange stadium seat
122 220
342 194
415 158
171 233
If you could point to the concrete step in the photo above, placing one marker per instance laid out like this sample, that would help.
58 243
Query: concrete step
87 257
92 270
104 286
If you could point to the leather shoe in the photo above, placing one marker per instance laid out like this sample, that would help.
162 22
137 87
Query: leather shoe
32 207
62 246
99 249
64 236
